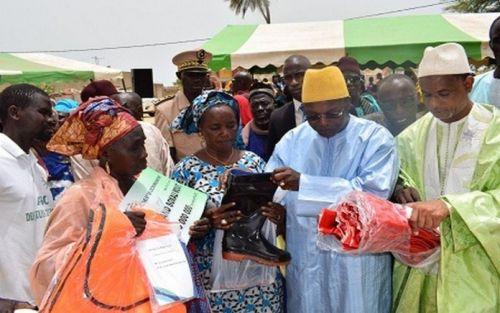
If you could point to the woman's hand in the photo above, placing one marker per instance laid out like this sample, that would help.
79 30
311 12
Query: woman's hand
225 176
223 180
275 212
138 221
200 228
223 217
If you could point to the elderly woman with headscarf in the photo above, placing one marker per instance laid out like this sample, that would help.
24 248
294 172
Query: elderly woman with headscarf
100 129
233 286
81 166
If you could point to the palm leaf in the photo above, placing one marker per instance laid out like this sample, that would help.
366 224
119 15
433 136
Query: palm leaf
242 6
474 6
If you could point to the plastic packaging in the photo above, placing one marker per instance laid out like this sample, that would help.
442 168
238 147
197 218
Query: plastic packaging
157 228
103 272
363 223
233 275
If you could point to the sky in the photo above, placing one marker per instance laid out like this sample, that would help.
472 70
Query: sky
34 25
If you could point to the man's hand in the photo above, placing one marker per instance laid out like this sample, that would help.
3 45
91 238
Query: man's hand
405 195
286 178
428 214
200 228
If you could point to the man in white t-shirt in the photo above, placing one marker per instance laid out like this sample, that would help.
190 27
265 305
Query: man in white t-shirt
25 199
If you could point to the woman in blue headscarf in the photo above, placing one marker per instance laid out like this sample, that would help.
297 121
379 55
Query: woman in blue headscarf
233 286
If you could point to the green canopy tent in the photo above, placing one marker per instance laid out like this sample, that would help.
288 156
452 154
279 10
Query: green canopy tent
45 69
374 42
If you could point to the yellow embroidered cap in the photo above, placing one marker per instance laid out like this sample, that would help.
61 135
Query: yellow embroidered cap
192 60
324 84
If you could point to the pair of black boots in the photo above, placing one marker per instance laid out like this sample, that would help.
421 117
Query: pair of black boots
244 240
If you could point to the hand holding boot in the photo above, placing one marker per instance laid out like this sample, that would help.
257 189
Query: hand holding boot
275 212
223 179
287 178
224 216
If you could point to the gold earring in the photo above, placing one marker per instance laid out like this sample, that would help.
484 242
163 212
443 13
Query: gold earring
107 168
203 141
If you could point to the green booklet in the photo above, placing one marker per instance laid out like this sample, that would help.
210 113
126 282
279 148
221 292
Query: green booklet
177 202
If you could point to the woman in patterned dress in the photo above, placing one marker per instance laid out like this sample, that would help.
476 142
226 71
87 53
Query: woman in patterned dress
215 116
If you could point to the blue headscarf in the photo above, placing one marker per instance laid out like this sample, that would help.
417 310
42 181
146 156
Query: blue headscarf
66 106
189 118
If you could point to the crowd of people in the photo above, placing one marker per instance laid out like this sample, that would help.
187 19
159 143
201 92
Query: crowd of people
319 130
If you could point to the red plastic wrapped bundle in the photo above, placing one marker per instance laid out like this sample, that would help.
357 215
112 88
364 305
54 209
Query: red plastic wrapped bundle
363 223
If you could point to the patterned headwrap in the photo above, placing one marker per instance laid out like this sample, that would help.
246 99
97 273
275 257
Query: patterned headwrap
189 118
95 125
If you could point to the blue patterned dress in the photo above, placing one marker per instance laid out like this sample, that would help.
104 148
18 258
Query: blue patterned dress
198 174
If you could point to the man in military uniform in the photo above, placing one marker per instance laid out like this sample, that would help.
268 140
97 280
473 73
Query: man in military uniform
192 70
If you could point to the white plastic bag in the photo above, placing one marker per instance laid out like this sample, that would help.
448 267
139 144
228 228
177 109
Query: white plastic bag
232 275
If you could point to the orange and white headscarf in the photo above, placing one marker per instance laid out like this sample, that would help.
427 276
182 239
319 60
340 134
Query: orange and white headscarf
95 125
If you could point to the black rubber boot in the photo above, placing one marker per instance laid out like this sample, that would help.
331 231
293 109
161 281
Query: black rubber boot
244 240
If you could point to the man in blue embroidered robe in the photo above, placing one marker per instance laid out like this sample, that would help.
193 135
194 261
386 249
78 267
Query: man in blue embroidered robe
316 164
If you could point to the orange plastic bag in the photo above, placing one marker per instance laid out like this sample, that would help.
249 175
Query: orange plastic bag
103 273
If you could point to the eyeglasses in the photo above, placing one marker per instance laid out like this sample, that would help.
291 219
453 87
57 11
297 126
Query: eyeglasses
327 115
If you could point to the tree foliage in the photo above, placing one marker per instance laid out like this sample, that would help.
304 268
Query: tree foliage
242 6
474 6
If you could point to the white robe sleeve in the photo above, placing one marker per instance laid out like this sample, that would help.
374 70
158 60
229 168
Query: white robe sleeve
377 174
